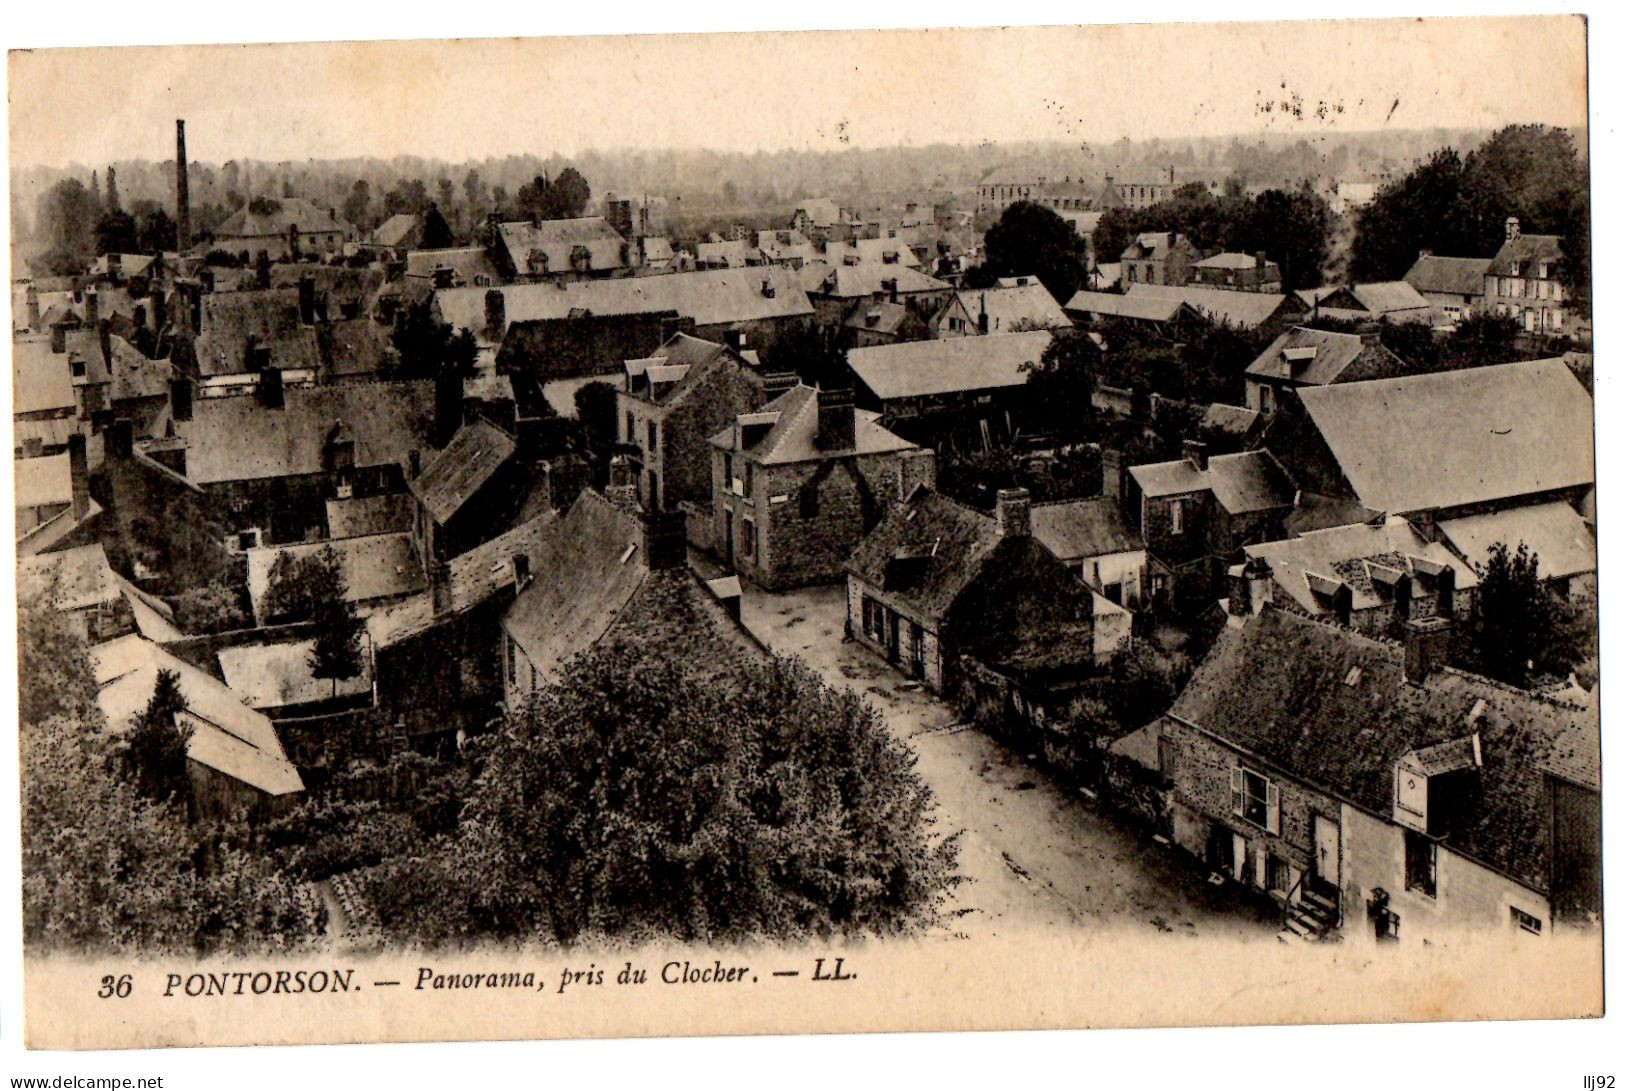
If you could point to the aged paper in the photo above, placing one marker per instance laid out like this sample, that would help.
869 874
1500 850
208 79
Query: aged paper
1070 900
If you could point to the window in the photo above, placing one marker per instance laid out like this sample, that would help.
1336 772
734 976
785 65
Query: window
1277 874
809 500
1176 517
1254 798
654 438
1167 756
1421 864
747 538
874 619
1526 922
631 433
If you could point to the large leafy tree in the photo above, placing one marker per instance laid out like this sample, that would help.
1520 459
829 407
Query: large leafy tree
1060 388
153 755
299 587
816 354
1514 614
1030 239
427 346
633 798
68 215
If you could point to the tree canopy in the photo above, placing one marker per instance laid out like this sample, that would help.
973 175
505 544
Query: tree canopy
428 347
1060 387
1031 240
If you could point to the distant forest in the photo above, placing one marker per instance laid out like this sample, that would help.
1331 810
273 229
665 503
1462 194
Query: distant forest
700 183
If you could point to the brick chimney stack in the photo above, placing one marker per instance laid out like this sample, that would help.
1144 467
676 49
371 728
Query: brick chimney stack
1196 454
1427 647
79 475
915 468
837 421
1514 230
1014 512
33 308
183 201
665 540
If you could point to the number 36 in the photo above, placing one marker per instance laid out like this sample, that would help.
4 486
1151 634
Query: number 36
119 986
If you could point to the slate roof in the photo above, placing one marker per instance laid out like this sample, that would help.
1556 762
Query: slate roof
1276 688
468 263
278 674
949 365
1232 260
238 439
1243 310
866 279
1522 256
1246 482
1317 357
795 427
271 316
227 735
1346 554
682 362
40 379
710 297
881 317
558 240
456 473
1484 434
1554 532
1390 297
42 481
74 578
1110 304
309 217
947 540
1075 529
728 253
377 566
870 251
395 230
1007 308
1234 420
362 515
1448 276
593 587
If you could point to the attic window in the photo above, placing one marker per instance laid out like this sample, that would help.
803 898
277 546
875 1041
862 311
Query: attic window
1476 715
627 555
1353 677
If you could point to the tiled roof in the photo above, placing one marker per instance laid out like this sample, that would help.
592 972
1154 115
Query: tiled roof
377 566
270 316
363 515
455 474
1345 553
1244 310
42 481
238 439
1278 688
1448 276
227 735
1010 309
1554 532
949 365
310 218
1486 433
942 543
710 297
1074 529
792 437
1110 304
1317 357
1515 255
40 378
558 240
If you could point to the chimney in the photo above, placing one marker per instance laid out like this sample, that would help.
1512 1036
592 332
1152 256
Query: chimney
104 338
440 587
496 314
1111 473
183 203
1445 587
1196 454
270 388
915 467
1420 254
768 290
734 339
981 319
448 407
93 308
180 398
1260 262
1014 511
837 420
155 310
665 540
119 439
889 286
307 299
59 339
79 475
776 383
1427 647
1513 230
33 308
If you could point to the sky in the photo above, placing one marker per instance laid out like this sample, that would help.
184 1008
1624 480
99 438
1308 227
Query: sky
460 99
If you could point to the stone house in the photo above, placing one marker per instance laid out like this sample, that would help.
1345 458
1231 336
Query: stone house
1453 287
1261 314
796 485
1304 356
837 292
1381 301
1094 539
583 248
283 227
936 583
1023 305
1371 790
1524 281
1158 257
1196 513
470 491
1238 272
675 400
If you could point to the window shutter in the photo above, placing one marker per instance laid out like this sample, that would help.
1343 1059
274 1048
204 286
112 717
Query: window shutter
1272 807
1237 796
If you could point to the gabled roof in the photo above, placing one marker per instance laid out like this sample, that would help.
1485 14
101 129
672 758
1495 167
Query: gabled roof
950 365
1554 532
710 297
882 251
942 542
879 317
1243 310
1232 260
1112 305
792 436
377 566
1076 529
239 439
866 279
1247 482
1233 420
1277 688
40 379
1317 357
270 316
289 211
1347 554
467 264
1515 254
1448 276
1390 297
395 230
455 474
1010 309
72 578
677 367
1484 434
227 735
557 242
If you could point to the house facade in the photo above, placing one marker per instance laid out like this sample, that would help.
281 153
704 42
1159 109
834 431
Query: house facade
1524 282
1238 272
1158 257
1304 356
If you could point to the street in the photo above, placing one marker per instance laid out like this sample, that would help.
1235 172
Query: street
1033 853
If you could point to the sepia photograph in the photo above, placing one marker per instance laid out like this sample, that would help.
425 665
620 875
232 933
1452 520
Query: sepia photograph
635 534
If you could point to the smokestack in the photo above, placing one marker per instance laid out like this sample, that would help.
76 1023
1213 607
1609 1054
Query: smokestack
79 474
183 201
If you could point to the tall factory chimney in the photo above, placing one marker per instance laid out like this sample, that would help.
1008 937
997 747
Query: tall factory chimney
183 204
